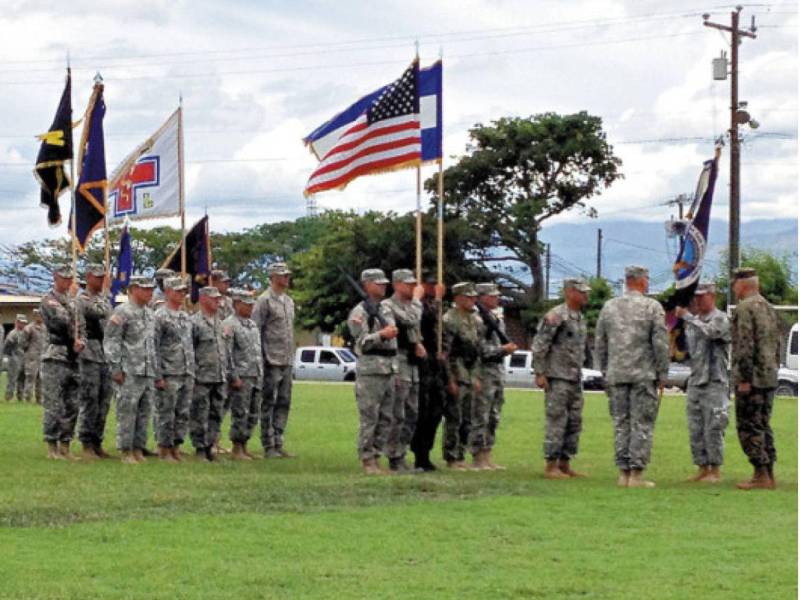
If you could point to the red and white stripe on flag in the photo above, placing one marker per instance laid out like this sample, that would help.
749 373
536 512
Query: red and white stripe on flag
367 148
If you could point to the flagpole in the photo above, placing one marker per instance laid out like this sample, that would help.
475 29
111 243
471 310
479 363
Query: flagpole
180 185
419 198
440 217
107 255
73 221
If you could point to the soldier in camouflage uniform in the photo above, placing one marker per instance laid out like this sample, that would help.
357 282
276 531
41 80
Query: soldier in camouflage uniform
159 295
754 368
34 340
431 378
246 374
632 351
372 326
488 405
60 376
559 349
407 312
174 370
463 332
95 394
211 371
221 281
130 348
708 337
15 350
274 316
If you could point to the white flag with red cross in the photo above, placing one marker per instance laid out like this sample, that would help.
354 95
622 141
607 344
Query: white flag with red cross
146 185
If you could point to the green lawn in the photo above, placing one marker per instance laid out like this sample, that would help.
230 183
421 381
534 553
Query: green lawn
315 527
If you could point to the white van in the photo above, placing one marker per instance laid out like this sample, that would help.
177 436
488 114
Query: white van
787 375
520 373
324 363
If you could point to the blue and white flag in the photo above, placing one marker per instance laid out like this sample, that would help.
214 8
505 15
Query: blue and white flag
429 84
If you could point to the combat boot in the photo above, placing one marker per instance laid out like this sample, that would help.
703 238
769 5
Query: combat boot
145 452
563 465
210 455
772 476
760 481
165 454
98 450
712 474
238 452
492 465
139 455
272 453
52 451
552 471
176 453
624 476
64 449
399 465
88 452
702 471
635 480
247 452
128 458
282 453
370 466
456 465
480 461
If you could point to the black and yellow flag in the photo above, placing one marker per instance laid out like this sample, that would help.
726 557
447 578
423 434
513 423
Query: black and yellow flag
55 150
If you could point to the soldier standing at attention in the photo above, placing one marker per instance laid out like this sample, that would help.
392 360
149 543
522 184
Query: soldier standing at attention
34 338
372 326
559 349
95 394
488 404
754 368
274 316
221 281
708 336
246 374
211 371
174 370
407 312
60 364
15 350
461 344
431 378
159 296
130 347
632 351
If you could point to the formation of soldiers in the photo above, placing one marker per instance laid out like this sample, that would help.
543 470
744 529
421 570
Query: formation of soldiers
23 351
235 354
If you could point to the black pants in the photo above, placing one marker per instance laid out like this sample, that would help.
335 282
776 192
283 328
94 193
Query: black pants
431 407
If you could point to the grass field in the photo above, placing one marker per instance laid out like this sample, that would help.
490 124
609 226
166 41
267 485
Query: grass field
315 527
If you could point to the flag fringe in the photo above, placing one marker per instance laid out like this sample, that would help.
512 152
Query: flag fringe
409 164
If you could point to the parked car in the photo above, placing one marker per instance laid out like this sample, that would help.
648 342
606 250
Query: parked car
520 372
678 375
787 382
324 363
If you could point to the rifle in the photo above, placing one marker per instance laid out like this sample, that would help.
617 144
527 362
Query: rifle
369 306
492 324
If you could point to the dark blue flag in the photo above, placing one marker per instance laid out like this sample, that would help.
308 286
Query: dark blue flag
124 265
198 253
90 201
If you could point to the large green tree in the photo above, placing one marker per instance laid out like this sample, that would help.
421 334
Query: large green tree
518 173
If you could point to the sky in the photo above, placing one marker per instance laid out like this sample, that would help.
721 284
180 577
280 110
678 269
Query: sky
256 77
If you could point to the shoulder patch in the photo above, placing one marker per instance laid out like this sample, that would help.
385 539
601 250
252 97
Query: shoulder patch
552 318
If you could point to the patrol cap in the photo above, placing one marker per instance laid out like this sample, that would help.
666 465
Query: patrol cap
403 276
744 273
95 269
486 289
63 270
374 275
164 273
464 288
22 318
705 288
175 283
141 281
220 275
278 268
246 296
210 291
636 271
577 283
429 276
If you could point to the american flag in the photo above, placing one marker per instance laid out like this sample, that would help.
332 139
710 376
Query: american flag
386 136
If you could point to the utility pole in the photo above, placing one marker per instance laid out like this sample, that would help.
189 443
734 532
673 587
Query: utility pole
547 273
737 117
599 252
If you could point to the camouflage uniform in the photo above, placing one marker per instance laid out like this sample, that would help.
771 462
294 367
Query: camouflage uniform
244 348
175 366
35 337
15 375
274 316
407 317
60 378
211 369
462 341
431 385
632 351
130 348
375 379
95 377
492 396
755 360
558 354
708 341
